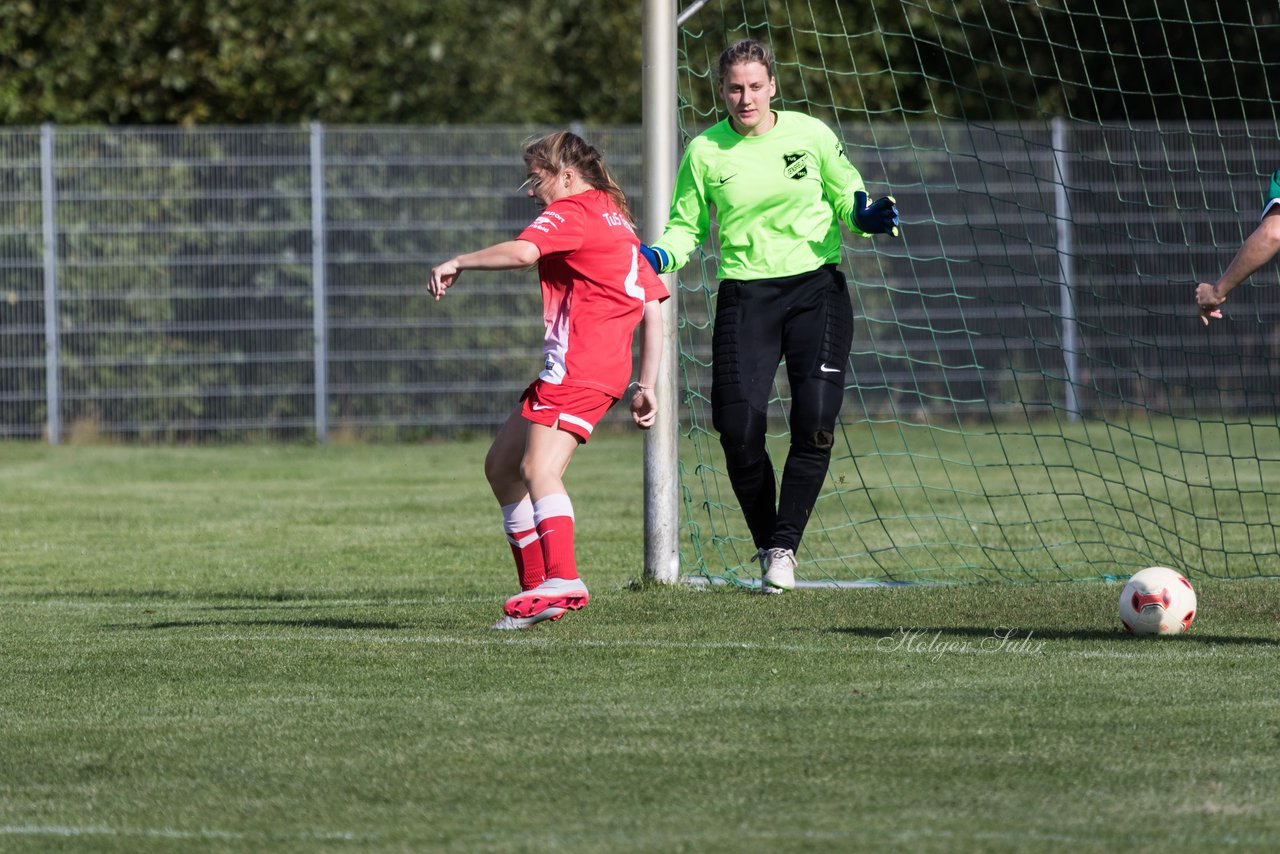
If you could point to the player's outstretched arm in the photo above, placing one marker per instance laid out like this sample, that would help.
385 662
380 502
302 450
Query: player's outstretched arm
1259 248
509 255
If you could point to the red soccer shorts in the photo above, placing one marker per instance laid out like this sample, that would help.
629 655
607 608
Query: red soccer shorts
573 409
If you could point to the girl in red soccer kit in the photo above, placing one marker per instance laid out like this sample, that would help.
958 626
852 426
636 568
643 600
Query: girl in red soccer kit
596 289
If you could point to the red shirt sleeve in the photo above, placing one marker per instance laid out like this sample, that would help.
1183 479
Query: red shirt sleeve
653 287
559 228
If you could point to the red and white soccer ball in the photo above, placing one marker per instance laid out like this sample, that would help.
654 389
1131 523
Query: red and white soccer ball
1157 601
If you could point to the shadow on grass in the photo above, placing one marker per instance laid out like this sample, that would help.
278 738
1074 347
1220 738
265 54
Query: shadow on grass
1016 633
316 623
261 598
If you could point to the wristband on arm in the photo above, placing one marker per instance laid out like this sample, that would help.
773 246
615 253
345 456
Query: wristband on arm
657 257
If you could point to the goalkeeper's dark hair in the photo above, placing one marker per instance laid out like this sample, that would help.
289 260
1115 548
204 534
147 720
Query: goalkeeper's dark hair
562 150
747 50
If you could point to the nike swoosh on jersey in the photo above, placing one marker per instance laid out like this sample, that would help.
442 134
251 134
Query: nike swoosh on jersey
826 370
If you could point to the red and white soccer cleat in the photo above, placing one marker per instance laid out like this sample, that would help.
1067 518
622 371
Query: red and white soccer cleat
549 615
568 593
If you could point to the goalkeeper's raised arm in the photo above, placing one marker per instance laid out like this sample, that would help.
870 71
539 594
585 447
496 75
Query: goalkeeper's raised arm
781 186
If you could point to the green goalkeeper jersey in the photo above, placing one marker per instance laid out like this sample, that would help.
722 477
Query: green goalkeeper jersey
779 199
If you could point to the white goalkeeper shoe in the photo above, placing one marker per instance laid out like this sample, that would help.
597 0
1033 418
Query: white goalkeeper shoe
780 570
507 624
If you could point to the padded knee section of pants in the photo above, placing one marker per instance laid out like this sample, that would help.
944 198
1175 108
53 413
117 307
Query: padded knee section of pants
818 440
742 433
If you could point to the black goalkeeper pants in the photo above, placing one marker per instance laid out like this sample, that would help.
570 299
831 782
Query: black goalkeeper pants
808 321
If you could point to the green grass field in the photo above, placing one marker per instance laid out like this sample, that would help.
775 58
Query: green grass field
286 648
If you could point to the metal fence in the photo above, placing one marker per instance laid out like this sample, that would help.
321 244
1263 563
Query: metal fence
178 284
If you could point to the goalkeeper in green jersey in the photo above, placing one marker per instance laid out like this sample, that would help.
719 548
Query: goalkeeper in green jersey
1259 248
781 186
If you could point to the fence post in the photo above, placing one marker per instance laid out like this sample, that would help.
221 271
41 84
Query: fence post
48 198
319 312
1066 267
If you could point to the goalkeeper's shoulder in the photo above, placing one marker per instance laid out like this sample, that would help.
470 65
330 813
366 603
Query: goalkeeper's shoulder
816 134
804 123
714 138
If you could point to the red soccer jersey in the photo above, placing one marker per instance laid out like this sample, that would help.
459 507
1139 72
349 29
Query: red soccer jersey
594 287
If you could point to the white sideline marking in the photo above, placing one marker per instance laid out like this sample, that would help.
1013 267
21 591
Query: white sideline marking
815 584
526 640
549 639
172 833
557 841
916 834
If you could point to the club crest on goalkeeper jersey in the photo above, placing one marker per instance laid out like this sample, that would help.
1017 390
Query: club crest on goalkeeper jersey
594 287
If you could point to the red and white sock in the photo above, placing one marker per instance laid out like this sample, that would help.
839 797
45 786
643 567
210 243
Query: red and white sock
553 515
522 534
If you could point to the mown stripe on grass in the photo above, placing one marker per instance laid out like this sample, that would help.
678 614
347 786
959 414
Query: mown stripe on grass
72 831
214 604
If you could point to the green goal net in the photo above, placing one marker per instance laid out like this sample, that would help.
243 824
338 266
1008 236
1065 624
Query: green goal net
1032 395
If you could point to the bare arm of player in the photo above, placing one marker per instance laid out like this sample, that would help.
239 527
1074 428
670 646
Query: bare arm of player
644 402
1259 248
510 255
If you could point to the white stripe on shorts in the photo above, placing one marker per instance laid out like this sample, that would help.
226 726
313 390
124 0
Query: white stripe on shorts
573 419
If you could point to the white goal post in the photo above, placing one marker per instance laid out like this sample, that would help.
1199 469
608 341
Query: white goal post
661 142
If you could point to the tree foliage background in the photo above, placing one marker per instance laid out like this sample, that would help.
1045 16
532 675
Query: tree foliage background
556 61
382 61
